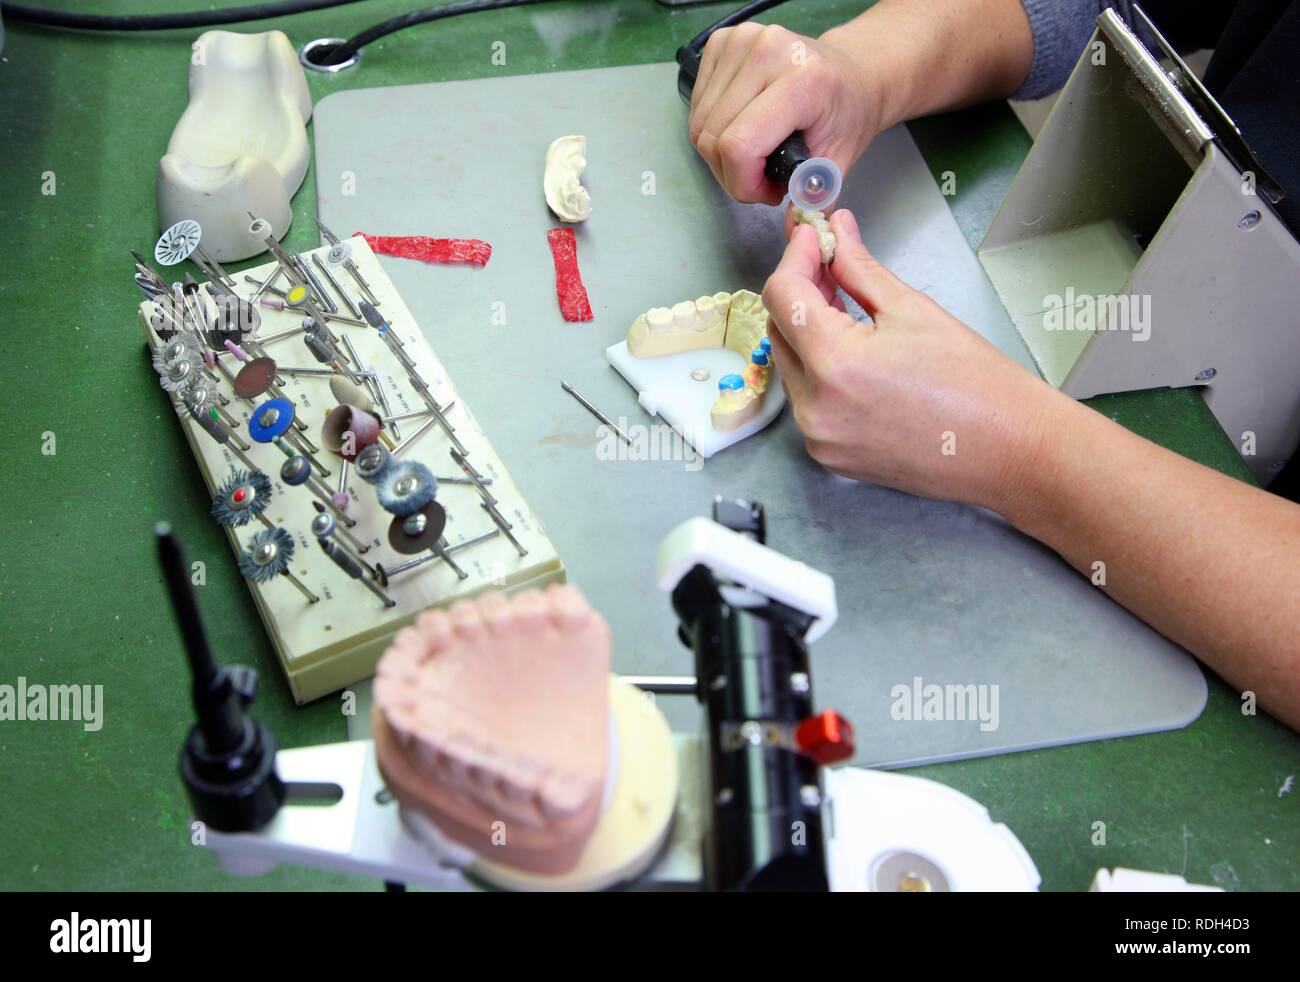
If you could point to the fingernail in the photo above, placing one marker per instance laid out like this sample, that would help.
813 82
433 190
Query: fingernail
848 224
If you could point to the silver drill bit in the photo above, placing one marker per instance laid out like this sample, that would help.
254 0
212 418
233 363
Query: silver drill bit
351 565
222 275
212 426
595 412
316 285
373 385
386 572
323 526
348 264
357 545
329 278
474 476
266 284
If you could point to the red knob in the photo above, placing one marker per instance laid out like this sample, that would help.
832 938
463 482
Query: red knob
827 737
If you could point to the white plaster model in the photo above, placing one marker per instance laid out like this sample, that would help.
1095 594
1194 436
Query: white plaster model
825 237
241 144
736 321
686 326
566 159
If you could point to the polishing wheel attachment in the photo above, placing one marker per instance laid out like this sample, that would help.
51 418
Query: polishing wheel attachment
815 184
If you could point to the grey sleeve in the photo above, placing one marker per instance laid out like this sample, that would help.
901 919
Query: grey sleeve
1061 29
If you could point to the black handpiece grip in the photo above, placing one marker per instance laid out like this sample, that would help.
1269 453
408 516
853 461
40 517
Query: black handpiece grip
782 161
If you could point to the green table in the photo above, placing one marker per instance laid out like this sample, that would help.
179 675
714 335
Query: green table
81 598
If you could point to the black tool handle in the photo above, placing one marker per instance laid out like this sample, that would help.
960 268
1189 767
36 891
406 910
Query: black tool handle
782 161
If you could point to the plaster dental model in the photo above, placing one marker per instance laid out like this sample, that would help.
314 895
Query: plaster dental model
681 361
492 720
686 326
241 144
566 159
825 237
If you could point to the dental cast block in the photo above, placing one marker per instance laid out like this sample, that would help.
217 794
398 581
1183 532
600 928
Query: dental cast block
492 720
683 327
682 362
566 159
825 237
241 144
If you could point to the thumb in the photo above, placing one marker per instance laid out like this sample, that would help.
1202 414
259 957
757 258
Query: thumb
858 272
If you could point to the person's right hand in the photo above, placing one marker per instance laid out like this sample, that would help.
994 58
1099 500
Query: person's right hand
757 85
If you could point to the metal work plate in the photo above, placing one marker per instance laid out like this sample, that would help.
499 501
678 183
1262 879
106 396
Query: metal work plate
930 593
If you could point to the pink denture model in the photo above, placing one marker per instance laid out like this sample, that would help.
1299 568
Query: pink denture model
492 720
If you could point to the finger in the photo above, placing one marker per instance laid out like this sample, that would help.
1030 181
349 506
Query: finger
733 51
759 129
761 66
859 272
829 288
793 377
713 47
714 54
792 297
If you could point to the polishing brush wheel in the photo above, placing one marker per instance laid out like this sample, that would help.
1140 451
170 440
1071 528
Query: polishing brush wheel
267 556
182 346
242 497
180 374
406 487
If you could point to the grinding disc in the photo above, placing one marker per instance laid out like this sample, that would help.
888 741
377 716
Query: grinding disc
255 378
436 524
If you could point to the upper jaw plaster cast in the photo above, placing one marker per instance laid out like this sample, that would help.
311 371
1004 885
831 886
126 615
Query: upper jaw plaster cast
241 144
492 720
566 159
737 321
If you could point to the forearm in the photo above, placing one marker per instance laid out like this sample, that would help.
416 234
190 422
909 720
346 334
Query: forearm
923 56
1210 562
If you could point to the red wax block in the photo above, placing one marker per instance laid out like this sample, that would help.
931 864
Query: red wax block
826 737
572 295
429 250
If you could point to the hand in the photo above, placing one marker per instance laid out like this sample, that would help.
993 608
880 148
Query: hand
757 85
916 400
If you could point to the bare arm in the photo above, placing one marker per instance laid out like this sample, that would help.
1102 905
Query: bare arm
1210 562
926 56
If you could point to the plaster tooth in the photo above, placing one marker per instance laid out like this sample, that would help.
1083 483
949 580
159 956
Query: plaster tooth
684 314
706 310
659 318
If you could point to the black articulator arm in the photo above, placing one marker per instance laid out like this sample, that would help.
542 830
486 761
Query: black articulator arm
752 672
228 760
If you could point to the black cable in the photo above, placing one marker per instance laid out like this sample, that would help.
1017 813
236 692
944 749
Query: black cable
162 22
354 44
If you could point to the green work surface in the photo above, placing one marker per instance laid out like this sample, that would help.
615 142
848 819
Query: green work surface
81 598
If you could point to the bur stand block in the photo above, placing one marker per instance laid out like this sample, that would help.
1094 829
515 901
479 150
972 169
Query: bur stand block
326 646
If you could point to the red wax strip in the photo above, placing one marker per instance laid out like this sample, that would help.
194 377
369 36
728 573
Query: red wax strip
428 250
572 295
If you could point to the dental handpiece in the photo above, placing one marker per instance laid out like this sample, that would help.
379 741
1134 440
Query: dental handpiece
812 182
